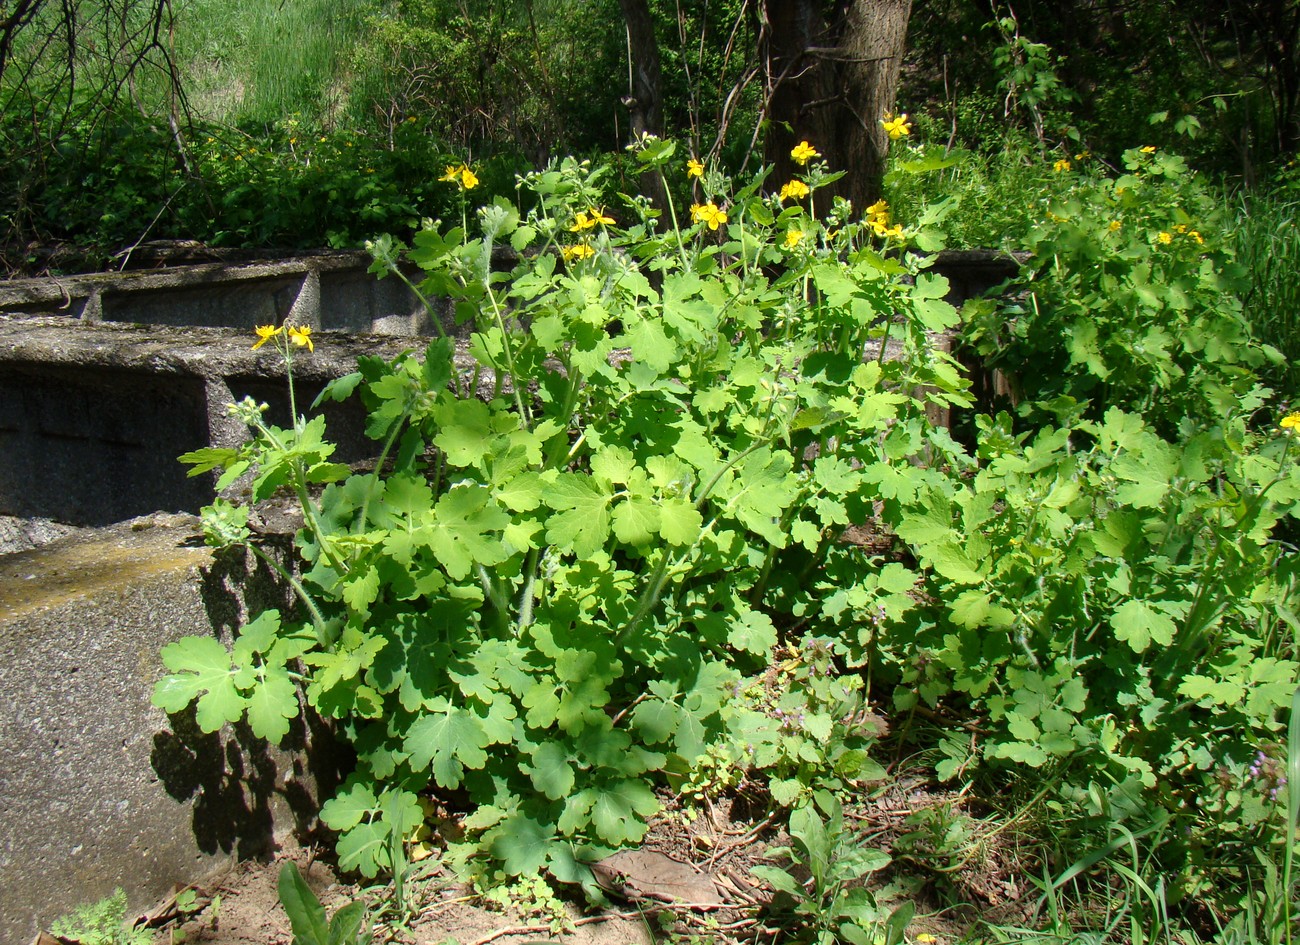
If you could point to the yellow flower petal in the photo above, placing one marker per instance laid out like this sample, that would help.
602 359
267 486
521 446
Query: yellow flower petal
264 334
896 128
581 251
803 152
795 189
301 336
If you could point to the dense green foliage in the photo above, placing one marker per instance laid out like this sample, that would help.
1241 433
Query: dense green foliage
588 546
606 553
119 121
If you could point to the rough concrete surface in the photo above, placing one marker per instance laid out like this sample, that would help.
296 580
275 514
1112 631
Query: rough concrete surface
92 417
331 291
98 788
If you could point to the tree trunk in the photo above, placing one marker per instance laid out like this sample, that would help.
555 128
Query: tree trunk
832 76
645 98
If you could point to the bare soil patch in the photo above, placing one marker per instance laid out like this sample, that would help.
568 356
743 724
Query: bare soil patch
689 883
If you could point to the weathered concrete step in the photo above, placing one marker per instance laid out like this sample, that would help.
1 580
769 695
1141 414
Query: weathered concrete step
98 788
330 292
92 417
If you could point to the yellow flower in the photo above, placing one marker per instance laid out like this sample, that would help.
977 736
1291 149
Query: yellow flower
1148 150
795 190
1061 165
878 215
264 334
925 938
581 251
709 213
460 174
1290 423
694 168
793 238
896 128
301 336
1164 239
803 152
582 222
1196 236
1114 225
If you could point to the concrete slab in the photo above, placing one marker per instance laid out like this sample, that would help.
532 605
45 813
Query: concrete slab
93 416
99 789
328 291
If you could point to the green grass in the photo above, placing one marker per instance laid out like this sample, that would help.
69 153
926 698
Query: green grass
1268 245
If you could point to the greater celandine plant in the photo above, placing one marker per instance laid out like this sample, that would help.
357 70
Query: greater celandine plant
629 493
586 528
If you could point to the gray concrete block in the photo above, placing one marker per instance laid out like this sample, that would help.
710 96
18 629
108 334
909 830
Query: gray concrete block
98 788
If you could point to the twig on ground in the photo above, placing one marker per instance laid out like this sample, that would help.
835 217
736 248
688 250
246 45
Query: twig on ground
536 929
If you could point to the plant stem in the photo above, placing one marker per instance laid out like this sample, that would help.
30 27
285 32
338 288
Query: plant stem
322 633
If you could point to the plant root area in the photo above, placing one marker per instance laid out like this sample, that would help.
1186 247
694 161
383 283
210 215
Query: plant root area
689 883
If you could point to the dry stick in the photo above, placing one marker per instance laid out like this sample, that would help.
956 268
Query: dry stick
592 919
748 837
535 929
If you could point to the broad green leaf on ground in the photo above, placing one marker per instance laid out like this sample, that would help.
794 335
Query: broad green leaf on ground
448 739
550 771
521 843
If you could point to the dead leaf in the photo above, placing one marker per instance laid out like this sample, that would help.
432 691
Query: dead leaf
645 874
45 938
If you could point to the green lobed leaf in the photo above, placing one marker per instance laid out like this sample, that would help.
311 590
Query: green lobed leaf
447 739
202 674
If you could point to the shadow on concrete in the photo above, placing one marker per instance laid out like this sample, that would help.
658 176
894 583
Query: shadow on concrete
244 790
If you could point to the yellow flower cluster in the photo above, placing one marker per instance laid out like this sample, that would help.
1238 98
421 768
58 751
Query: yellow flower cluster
581 251
803 152
299 335
588 219
1061 166
1190 234
460 174
878 220
793 238
709 213
795 190
896 128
